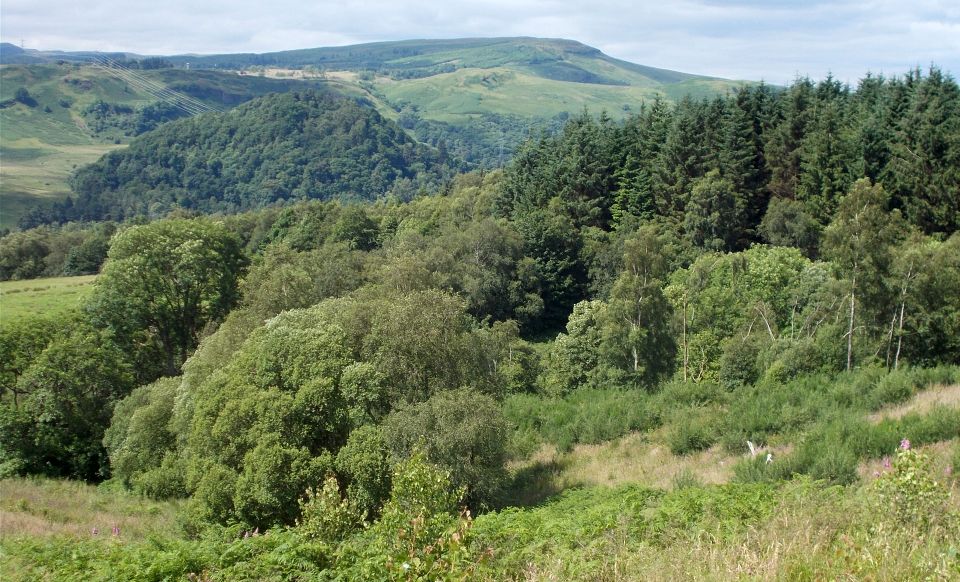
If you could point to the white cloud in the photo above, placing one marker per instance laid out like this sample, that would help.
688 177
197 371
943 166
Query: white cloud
750 39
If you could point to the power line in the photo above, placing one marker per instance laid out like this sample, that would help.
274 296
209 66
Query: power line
185 103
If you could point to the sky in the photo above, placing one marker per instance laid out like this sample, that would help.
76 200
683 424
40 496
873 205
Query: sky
771 40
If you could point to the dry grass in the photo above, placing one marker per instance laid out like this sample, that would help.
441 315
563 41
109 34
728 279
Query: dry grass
635 458
42 507
937 395
828 534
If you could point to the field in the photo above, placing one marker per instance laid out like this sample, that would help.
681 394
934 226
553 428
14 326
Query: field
46 507
32 171
44 143
42 296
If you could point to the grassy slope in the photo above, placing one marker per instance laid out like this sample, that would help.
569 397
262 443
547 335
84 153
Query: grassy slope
622 510
455 97
42 296
46 507
39 149
536 78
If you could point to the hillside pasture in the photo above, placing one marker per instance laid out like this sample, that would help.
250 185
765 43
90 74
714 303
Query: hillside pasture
42 296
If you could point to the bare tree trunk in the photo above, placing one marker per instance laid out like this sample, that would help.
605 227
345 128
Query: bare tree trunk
686 354
893 323
903 306
765 321
896 358
853 303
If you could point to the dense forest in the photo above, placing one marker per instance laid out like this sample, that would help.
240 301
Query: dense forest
361 380
282 147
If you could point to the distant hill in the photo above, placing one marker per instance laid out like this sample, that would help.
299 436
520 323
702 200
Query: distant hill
475 98
455 82
481 97
281 147
556 59
78 112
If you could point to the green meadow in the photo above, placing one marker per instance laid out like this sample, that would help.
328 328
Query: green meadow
50 296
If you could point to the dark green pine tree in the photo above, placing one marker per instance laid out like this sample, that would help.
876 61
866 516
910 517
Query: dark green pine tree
875 123
634 194
640 142
682 159
793 116
828 154
586 170
742 159
528 182
715 117
924 172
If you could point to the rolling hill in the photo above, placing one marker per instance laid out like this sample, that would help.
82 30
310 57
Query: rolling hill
456 82
477 98
276 148
77 113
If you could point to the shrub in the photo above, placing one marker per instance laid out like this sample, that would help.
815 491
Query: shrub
586 415
167 481
462 431
892 388
364 465
327 516
694 430
420 535
731 507
836 464
679 393
739 361
914 497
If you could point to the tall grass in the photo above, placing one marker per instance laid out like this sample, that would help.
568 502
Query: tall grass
40 507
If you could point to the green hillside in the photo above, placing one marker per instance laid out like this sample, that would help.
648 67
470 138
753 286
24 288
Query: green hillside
558 59
56 131
439 87
277 148
481 97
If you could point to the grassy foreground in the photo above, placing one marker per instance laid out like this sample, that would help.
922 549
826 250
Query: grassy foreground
42 296
901 525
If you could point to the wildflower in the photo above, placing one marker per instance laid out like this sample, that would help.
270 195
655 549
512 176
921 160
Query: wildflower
95 531
905 444
948 470
876 473
405 566
115 530
886 462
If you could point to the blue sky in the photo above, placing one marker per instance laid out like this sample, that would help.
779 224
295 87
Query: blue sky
772 40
